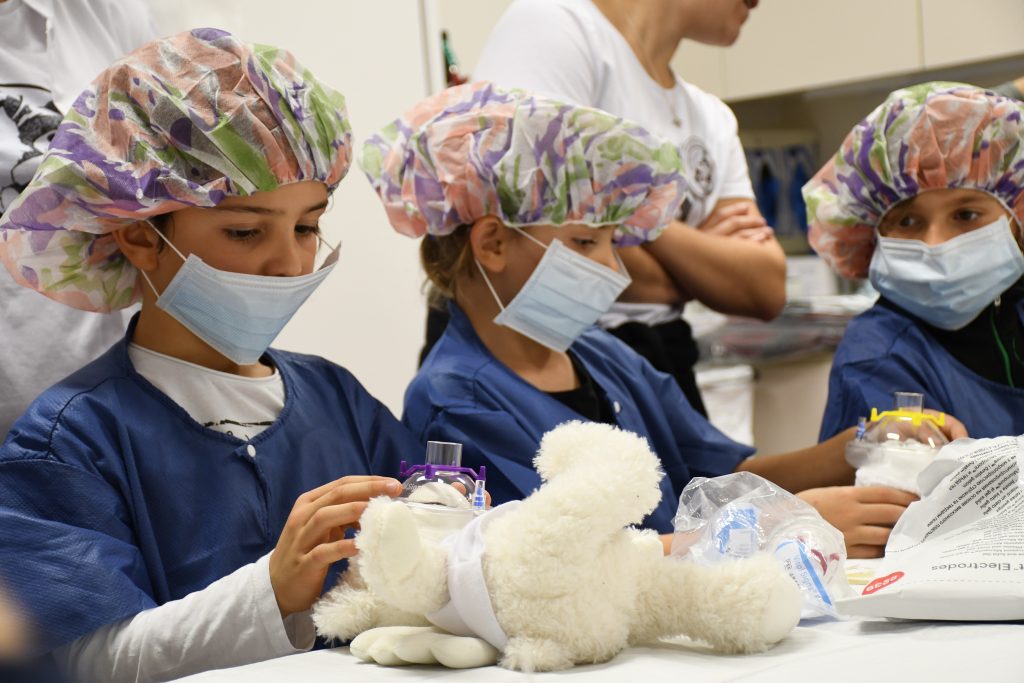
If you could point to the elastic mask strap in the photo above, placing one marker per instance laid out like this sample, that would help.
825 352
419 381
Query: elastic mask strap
543 246
327 244
618 259
171 245
319 236
531 238
150 283
332 255
487 281
622 266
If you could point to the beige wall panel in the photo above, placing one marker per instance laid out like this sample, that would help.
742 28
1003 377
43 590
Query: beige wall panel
789 45
960 31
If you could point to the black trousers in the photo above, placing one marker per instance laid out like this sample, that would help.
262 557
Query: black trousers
669 347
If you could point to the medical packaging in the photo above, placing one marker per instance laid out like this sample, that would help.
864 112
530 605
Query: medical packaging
958 553
741 514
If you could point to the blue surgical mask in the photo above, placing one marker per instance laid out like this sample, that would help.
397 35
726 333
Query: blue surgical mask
566 293
237 314
948 285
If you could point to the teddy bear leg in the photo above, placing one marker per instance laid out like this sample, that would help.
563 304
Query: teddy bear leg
463 652
350 608
535 654
398 566
345 611
742 606
381 644
391 616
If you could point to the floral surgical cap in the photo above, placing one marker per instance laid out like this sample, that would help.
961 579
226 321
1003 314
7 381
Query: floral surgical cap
184 121
477 150
926 137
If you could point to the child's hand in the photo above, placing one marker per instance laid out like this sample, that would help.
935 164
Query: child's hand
314 537
865 514
923 431
953 429
462 489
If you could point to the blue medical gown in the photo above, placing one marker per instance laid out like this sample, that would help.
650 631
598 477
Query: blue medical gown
884 351
464 394
113 500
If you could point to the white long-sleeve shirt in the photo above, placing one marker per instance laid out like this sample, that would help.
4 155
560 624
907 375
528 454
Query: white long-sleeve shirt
233 621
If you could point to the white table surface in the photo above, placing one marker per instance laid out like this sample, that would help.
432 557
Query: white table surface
856 650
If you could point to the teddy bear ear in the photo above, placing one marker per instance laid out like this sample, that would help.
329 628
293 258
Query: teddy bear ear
592 444
594 463
565 444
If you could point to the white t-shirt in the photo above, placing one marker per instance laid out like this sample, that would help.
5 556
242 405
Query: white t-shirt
50 51
240 406
568 49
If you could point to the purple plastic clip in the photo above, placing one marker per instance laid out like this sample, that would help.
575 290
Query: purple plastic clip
431 470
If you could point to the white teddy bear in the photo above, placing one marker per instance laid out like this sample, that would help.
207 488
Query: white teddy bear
557 579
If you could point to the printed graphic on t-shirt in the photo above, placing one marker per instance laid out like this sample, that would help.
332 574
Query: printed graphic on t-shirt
700 177
28 120
238 428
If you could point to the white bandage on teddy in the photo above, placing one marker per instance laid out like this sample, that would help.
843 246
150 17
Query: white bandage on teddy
469 612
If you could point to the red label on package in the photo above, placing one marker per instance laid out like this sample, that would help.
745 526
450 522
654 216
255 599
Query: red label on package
881 582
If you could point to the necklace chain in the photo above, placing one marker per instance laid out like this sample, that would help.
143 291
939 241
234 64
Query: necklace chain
667 94
670 100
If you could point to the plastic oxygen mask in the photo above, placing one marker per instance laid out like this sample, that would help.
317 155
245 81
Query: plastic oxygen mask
443 495
907 427
897 444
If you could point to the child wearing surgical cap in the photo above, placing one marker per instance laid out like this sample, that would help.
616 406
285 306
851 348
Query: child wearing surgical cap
177 504
925 198
520 201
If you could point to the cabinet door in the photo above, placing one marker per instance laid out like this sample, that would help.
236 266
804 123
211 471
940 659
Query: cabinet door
702 65
959 31
789 45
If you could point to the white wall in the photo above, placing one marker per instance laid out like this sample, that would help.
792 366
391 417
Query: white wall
369 314
469 23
